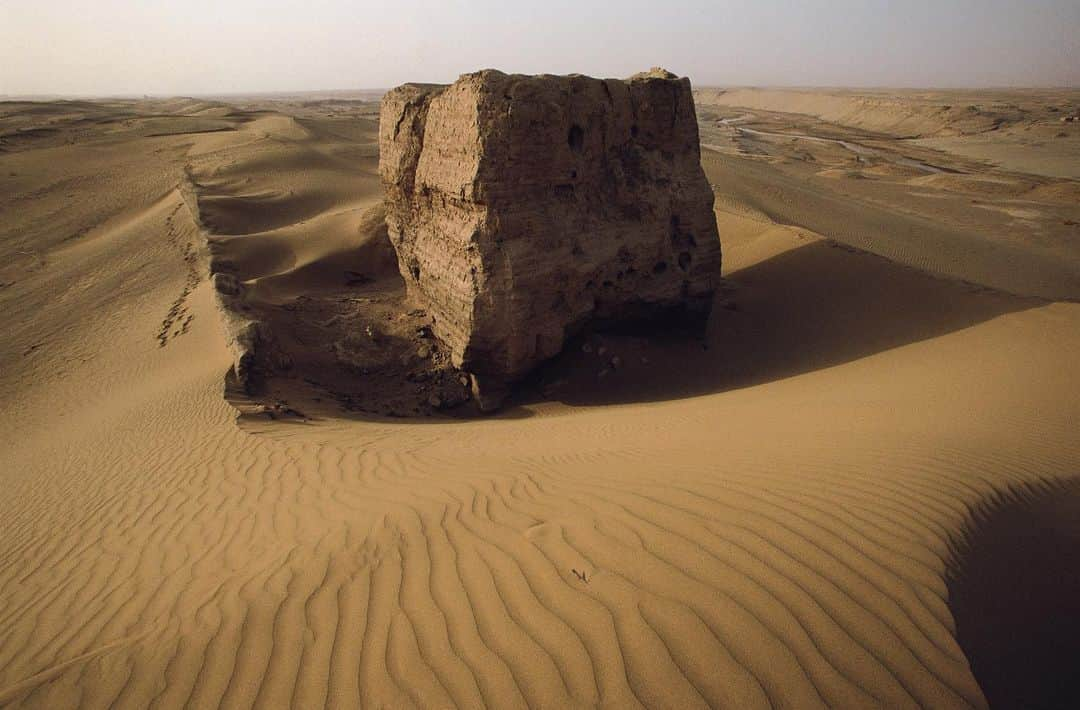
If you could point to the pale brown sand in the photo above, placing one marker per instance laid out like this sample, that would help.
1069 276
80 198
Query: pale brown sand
776 531
1013 129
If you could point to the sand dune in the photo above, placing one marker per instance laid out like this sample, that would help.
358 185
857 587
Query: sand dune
1013 129
940 212
771 520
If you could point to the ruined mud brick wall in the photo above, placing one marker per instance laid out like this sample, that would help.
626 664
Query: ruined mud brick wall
524 207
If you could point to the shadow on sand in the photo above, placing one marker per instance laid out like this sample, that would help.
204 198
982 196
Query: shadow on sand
812 307
809 308
1014 590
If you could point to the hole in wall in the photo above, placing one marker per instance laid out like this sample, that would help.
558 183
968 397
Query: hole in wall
576 138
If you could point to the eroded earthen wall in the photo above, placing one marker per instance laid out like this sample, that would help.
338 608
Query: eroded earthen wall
522 207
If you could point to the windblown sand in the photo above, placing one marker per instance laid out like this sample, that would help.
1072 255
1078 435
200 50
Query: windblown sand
768 517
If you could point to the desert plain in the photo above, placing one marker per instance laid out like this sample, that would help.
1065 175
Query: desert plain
858 488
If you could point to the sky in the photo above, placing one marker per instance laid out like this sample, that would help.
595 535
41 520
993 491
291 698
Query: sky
135 47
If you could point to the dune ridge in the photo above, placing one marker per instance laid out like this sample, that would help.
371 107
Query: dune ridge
778 539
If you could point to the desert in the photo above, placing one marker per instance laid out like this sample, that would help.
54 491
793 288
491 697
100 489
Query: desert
242 466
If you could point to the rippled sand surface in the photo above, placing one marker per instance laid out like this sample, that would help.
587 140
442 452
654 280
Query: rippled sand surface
780 518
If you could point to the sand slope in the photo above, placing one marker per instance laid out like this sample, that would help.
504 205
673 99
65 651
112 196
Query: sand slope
769 526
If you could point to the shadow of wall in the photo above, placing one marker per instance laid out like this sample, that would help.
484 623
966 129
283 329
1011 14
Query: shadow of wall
806 309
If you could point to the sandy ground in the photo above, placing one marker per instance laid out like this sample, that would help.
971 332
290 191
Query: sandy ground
1022 130
793 511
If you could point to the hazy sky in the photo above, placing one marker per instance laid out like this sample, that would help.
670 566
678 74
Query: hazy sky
211 46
